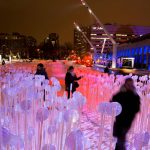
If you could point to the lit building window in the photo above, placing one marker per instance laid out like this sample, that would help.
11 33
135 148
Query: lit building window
97 28
121 35
94 28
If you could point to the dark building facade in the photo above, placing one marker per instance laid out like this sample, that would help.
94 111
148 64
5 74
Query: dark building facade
16 45
51 46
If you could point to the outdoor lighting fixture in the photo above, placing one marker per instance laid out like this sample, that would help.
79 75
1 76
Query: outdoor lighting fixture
106 32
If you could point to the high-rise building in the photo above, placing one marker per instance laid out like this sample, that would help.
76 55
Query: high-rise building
53 41
16 45
81 46
51 46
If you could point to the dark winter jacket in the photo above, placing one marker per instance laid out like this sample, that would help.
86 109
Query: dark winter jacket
130 103
42 72
69 78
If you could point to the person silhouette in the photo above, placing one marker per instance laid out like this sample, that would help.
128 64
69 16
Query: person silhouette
106 70
71 79
130 102
41 70
3 62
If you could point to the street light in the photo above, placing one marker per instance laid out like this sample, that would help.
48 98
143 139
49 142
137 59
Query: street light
106 32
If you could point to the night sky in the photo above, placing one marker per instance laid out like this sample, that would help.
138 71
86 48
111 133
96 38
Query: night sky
41 17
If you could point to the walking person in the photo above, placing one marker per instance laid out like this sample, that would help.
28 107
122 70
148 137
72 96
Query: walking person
71 81
130 102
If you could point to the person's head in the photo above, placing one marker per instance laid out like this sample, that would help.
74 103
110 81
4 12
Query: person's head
40 66
71 69
129 84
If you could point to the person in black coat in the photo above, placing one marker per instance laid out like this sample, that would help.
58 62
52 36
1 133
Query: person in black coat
71 78
41 70
130 102
3 62
106 70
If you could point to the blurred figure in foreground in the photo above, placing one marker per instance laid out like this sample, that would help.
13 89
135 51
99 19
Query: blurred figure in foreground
41 71
71 81
130 102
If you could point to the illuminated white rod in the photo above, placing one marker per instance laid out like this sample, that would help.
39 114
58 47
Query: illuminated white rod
109 36
103 45
79 29
103 27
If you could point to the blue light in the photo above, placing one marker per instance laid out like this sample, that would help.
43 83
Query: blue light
140 59
132 51
145 49
140 52
149 67
144 58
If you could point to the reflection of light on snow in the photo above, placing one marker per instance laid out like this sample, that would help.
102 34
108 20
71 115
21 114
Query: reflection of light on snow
75 116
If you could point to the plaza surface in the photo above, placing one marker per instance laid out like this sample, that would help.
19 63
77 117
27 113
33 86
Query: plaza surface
97 87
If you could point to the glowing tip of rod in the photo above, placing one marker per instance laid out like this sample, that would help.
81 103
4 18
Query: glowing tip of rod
82 1
90 11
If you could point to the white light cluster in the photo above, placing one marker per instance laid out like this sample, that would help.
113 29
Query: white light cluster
93 34
121 35
97 28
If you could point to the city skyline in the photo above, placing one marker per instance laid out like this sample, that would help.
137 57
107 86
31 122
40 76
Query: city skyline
39 18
